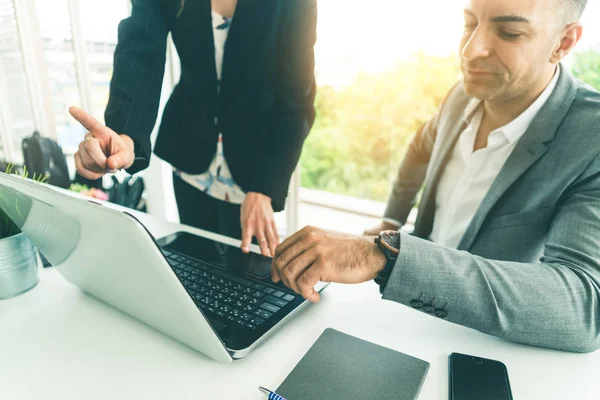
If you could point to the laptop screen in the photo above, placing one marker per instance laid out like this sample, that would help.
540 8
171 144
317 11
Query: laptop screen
221 255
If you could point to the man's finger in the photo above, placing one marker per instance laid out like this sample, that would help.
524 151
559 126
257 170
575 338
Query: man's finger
90 123
285 258
275 274
81 170
290 241
282 248
308 280
293 270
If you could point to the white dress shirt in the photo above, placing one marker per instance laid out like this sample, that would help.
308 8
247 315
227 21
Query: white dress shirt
217 181
469 174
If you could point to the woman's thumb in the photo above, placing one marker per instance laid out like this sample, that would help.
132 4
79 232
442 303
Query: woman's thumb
114 163
121 159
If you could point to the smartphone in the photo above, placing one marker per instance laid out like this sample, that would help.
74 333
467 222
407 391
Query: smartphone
477 378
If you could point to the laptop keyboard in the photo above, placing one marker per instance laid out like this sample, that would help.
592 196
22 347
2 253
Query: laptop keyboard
232 298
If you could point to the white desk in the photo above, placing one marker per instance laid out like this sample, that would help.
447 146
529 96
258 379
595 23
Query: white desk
59 343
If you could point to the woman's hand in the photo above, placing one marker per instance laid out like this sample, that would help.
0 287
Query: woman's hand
102 150
257 219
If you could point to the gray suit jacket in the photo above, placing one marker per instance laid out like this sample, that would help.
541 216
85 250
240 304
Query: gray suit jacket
528 267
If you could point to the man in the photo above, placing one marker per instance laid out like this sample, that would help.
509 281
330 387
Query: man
507 238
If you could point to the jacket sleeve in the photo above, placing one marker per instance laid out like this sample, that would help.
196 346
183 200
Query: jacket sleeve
413 168
139 66
295 91
411 174
554 303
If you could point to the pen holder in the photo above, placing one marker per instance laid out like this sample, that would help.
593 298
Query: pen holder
18 266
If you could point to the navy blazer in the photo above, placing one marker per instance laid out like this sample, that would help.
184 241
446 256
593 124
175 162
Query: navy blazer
265 108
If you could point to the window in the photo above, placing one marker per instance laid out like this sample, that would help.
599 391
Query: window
380 77
585 60
57 45
69 47
79 70
383 68
101 41
16 114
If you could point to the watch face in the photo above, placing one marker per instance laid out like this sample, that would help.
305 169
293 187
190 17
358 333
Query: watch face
391 240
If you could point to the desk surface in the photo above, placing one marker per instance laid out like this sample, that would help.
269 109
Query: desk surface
58 343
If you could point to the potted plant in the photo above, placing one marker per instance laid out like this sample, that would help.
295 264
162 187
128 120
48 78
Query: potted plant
18 256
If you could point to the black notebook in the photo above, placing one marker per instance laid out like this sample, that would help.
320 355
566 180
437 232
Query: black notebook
340 366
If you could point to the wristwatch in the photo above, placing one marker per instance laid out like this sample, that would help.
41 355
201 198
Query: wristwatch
389 243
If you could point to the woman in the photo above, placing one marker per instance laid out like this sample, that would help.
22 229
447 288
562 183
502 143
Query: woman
234 126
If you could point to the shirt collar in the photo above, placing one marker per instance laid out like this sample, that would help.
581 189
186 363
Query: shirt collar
517 127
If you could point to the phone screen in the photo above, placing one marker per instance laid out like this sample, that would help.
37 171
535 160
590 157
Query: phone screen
476 378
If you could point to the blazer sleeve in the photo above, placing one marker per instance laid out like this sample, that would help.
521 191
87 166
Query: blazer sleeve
411 174
413 168
139 66
295 90
554 303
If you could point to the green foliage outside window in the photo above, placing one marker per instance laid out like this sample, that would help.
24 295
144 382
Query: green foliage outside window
587 67
362 130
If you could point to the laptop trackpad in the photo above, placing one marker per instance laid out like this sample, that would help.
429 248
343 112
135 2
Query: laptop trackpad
218 326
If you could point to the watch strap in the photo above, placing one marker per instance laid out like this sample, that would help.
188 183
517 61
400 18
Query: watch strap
384 275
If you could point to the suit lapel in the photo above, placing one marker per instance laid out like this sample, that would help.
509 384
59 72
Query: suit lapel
424 223
528 150
242 38
199 41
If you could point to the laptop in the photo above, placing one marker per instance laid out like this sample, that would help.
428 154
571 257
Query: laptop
206 294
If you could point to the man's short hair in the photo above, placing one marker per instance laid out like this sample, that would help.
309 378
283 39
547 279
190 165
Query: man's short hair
573 9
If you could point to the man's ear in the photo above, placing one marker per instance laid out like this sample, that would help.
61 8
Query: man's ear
569 38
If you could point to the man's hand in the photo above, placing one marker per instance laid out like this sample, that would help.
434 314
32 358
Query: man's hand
383 226
257 219
102 150
312 255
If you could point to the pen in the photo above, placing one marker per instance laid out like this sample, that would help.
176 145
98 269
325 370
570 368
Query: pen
272 395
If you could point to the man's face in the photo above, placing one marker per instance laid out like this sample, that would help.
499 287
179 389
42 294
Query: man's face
506 47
